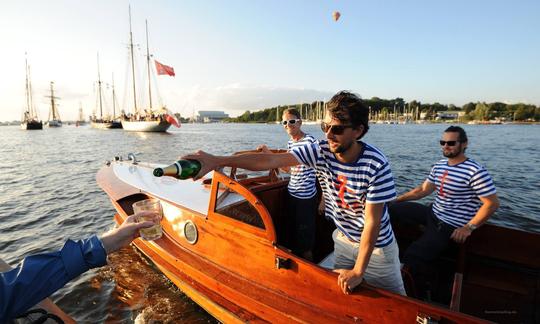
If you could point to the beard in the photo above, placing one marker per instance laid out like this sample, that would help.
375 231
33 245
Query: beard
341 148
451 154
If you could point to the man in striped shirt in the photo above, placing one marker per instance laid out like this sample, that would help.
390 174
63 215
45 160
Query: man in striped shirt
302 190
465 199
357 184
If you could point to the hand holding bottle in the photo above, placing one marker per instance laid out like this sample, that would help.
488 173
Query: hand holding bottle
181 169
208 162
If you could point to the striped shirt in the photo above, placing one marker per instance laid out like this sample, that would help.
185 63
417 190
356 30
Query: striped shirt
458 188
348 186
302 182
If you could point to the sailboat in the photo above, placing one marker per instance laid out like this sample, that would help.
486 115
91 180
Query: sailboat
81 121
30 119
147 120
54 115
104 122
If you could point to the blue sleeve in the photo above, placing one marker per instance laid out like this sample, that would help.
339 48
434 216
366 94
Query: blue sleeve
381 187
432 175
40 275
306 154
482 184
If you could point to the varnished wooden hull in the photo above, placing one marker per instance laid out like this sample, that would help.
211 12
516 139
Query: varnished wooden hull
231 270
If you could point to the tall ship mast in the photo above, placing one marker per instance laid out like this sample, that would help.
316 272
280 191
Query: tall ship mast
54 115
101 121
81 120
144 120
30 119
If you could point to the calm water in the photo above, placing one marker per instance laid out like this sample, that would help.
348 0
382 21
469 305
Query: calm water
48 193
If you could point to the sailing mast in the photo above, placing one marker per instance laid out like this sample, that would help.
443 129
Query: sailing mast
30 112
81 116
113 99
28 93
99 91
148 67
55 121
132 64
52 104
31 108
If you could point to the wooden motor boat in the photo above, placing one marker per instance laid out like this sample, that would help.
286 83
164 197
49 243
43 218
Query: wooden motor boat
225 246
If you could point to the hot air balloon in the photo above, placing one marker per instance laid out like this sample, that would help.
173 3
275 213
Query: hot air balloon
336 15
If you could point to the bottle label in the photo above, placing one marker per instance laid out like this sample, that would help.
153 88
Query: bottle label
178 168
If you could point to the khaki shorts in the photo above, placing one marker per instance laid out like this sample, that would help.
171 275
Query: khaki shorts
383 270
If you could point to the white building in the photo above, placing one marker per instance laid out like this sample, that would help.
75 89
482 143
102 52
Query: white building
211 116
449 115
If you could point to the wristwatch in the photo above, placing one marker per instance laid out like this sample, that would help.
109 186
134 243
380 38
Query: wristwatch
471 227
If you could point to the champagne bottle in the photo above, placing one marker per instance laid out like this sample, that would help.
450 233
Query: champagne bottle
181 169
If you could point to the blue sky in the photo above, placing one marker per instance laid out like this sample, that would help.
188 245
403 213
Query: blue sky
239 55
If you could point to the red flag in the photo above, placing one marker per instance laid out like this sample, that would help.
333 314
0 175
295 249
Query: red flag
163 69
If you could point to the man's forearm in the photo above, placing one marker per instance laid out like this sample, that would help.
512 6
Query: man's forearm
415 194
489 206
367 244
484 213
257 161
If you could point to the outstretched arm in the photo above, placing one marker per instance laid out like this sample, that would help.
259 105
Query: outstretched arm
264 149
418 193
40 275
248 161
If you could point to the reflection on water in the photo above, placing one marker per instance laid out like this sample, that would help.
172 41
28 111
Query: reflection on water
48 193
130 289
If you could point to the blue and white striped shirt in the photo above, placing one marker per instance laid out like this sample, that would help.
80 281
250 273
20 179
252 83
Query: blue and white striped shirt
348 186
458 188
302 182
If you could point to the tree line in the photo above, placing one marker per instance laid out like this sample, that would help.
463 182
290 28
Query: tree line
481 111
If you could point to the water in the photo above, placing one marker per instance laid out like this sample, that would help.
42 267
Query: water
48 193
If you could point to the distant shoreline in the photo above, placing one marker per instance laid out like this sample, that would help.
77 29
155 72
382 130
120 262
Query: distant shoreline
18 123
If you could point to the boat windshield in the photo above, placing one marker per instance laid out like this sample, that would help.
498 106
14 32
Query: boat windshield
231 204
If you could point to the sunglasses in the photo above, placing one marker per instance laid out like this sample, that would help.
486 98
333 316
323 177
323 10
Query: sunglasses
334 129
449 143
290 121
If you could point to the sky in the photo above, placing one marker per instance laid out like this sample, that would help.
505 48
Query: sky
248 55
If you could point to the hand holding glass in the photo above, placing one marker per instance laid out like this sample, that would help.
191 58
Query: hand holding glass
152 205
